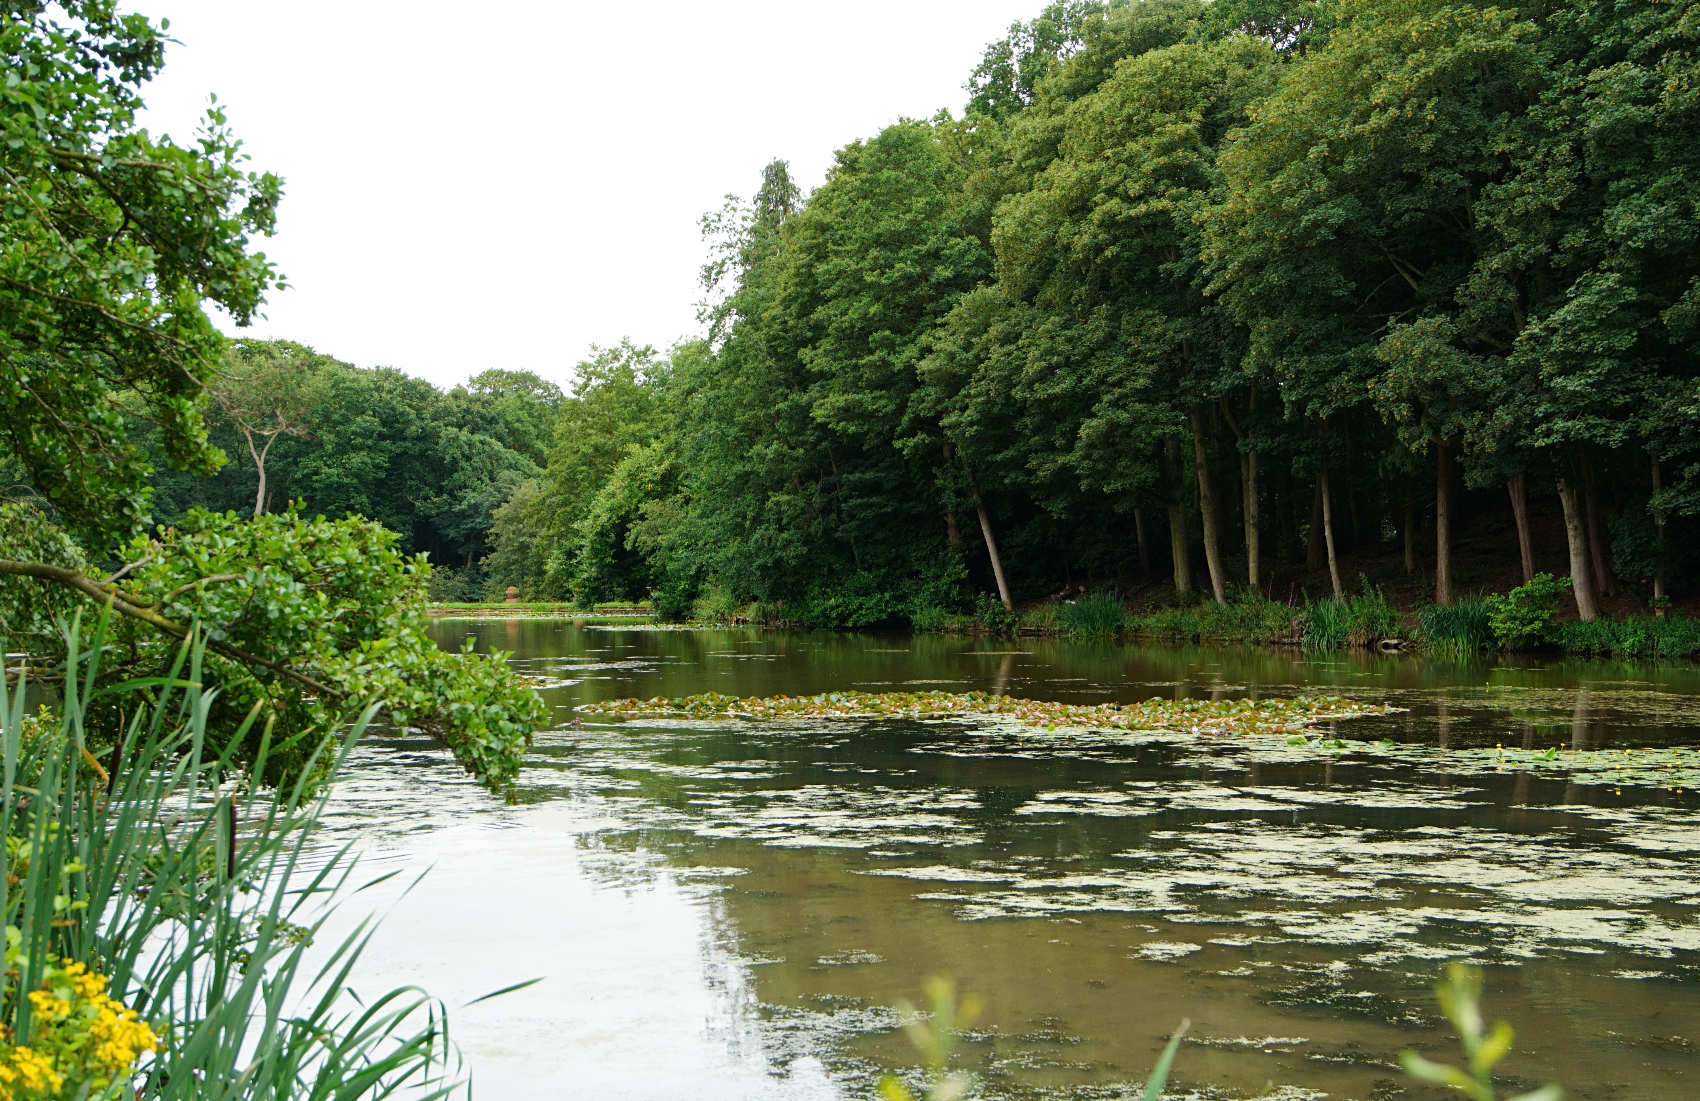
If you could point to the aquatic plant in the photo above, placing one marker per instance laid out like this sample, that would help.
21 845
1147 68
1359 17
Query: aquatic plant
1460 997
1241 716
934 1035
1456 630
1361 620
1095 615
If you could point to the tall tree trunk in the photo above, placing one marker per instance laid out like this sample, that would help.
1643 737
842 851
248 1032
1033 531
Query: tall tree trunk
1659 599
1313 538
1517 486
1144 547
1179 551
1207 509
1180 539
1442 522
991 540
1248 491
1410 527
1253 550
1328 532
1576 538
1604 581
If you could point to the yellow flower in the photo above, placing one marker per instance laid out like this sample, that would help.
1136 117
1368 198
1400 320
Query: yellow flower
35 1071
49 1005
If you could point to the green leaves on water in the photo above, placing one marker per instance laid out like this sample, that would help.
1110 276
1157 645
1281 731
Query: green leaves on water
1242 716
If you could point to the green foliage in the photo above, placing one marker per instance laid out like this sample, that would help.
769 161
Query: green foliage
672 600
991 615
1460 997
308 621
1457 629
1247 617
934 1035
1097 615
1527 616
114 240
1669 637
138 878
1361 620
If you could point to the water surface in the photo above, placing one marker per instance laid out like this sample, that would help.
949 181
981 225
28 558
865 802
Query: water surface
728 909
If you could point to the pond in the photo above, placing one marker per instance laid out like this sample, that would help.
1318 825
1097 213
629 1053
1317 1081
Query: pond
723 908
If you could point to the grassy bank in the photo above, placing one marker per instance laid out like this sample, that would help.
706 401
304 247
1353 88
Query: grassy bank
1523 620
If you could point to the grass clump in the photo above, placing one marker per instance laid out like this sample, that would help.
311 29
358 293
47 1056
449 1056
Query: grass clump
1457 630
1361 620
1096 615
1247 617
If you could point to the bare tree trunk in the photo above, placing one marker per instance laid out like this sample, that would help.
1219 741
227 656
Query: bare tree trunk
991 541
1659 599
1518 487
1328 532
1442 522
1576 538
1207 509
1604 581
952 533
259 465
1144 547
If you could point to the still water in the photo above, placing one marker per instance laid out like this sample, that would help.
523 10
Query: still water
728 910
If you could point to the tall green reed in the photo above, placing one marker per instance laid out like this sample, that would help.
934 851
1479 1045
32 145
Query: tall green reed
197 894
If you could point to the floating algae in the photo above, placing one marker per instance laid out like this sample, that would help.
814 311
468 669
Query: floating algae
1240 716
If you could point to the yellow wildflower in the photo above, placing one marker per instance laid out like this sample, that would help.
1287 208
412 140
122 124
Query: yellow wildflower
49 1004
35 1071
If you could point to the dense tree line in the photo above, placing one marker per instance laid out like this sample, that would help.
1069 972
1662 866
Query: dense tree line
1195 287
1205 290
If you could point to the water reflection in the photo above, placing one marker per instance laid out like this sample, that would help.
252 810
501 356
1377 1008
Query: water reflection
731 903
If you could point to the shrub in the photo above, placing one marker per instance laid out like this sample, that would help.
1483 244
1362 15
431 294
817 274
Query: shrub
715 604
990 614
1632 637
1527 616
672 600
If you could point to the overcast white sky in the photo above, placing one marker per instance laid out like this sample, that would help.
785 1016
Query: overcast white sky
502 185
